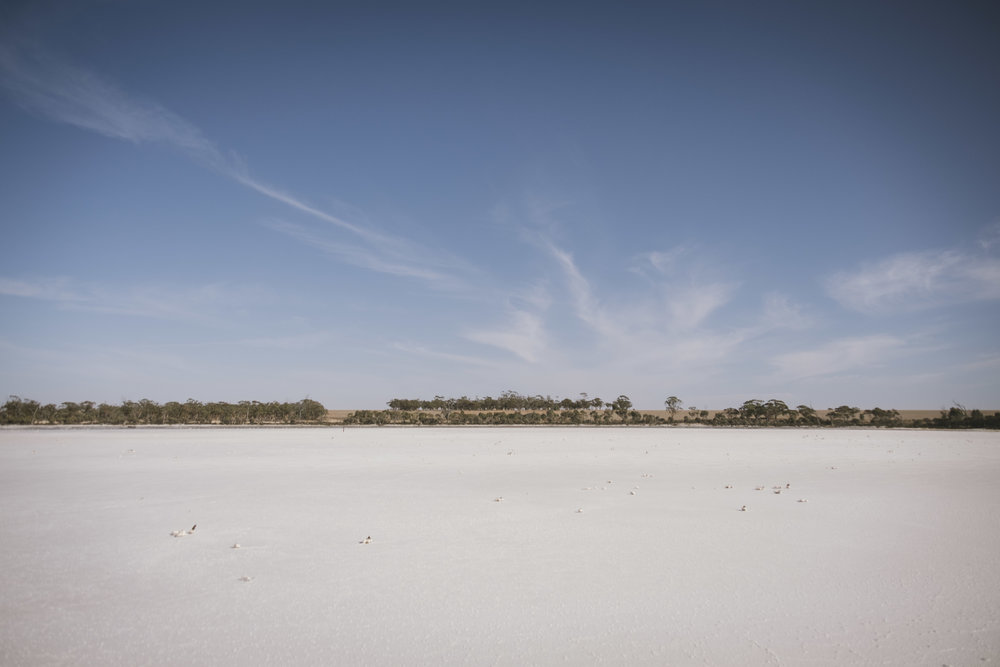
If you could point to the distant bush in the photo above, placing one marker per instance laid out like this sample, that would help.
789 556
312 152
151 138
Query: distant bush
26 411
959 417
512 408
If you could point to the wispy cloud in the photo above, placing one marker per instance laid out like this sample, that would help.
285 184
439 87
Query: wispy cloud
53 289
779 312
41 83
688 296
990 237
535 224
586 305
204 302
690 306
237 171
664 320
988 362
364 257
676 307
658 263
918 280
66 93
304 341
523 335
843 356
410 348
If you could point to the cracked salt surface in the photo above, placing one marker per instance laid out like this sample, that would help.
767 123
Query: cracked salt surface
892 561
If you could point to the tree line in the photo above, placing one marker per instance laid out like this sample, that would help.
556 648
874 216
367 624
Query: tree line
510 408
516 409
508 400
18 410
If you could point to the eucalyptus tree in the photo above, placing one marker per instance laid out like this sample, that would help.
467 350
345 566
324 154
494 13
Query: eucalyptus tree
13 412
774 410
311 410
173 413
19 411
843 415
109 414
69 413
672 404
751 410
880 417
48 414
807 415
622 405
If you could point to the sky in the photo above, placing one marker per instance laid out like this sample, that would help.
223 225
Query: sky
718 201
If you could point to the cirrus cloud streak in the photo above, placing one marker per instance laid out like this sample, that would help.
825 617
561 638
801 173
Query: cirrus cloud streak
917 280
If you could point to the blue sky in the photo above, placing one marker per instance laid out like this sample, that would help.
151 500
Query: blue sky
359 201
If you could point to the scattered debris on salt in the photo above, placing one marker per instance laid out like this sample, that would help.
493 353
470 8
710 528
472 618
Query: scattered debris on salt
182 533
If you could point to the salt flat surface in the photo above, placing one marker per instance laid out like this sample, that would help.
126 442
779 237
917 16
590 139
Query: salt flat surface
609 546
